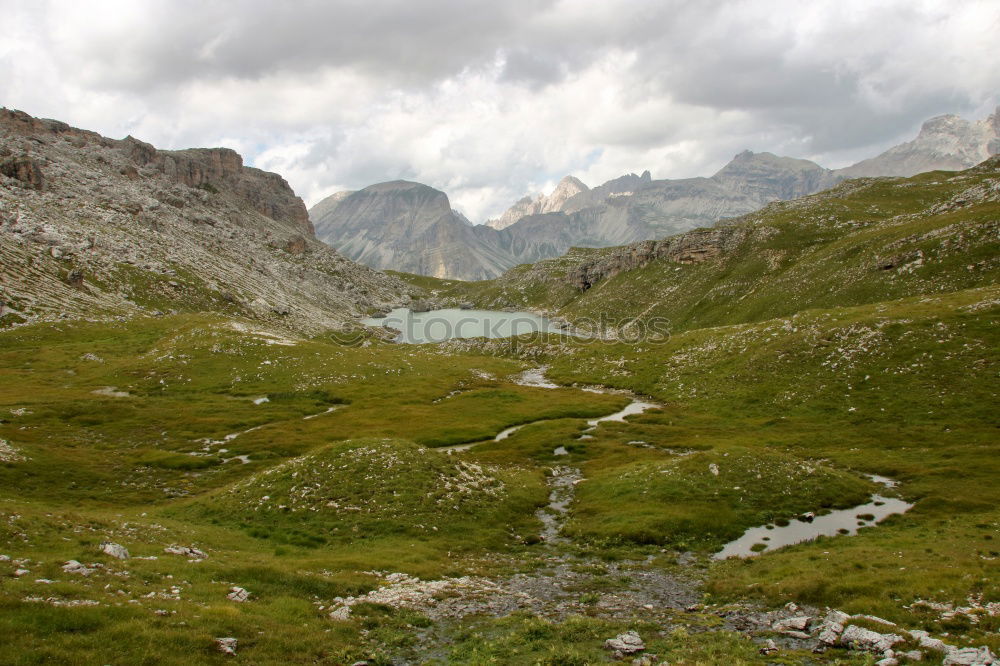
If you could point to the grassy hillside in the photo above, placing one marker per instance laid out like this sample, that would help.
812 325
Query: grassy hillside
865 241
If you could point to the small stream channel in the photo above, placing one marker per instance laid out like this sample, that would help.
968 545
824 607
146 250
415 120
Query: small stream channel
536 377
753 542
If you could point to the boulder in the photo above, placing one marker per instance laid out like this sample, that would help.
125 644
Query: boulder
74 567
296 245
114 550
238 594
625 644
798 623
858 638
226 645
769 647
75 279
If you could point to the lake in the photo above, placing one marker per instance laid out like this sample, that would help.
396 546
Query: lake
441 325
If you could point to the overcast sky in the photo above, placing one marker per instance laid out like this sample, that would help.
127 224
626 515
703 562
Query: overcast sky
491 100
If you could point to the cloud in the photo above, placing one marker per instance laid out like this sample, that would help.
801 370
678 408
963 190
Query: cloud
492 100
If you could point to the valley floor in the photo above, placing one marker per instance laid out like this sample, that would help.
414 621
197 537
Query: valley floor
303 471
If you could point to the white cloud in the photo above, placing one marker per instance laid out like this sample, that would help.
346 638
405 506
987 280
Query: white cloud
489 101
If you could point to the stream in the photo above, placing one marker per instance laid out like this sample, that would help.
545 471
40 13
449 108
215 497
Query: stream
535 377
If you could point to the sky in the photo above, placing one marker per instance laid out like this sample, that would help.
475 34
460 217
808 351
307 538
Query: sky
490 101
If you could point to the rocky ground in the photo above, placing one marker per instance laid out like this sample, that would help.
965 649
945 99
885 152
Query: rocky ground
94 227
566 582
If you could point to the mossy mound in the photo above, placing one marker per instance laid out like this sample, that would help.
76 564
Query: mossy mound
369 488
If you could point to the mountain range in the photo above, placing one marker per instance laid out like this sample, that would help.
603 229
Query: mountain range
411 227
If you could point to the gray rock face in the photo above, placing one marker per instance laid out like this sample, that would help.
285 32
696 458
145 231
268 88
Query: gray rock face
119 224
946 143
567 188
765 177
409 227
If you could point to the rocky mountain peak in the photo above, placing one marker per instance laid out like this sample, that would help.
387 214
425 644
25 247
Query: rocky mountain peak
568 187
409 227
946 142
768 177
948 123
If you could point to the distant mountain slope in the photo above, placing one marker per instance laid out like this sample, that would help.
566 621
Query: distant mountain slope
409 227
945 142
861 242
94 227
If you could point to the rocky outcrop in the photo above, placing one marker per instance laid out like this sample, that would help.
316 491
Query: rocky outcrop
120 228
690 248
217 170
24 169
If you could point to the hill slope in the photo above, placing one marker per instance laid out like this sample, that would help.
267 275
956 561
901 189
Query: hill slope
94 227
862 242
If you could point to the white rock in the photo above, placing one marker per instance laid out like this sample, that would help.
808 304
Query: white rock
21 572
238 594
836 617
928 643
114 550
627 643
187 551
870 641
969 657
226 645
800 623
342 613
714 469
74 567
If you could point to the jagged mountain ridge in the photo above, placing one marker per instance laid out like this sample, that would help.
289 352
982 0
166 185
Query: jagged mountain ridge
93 227
634 208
